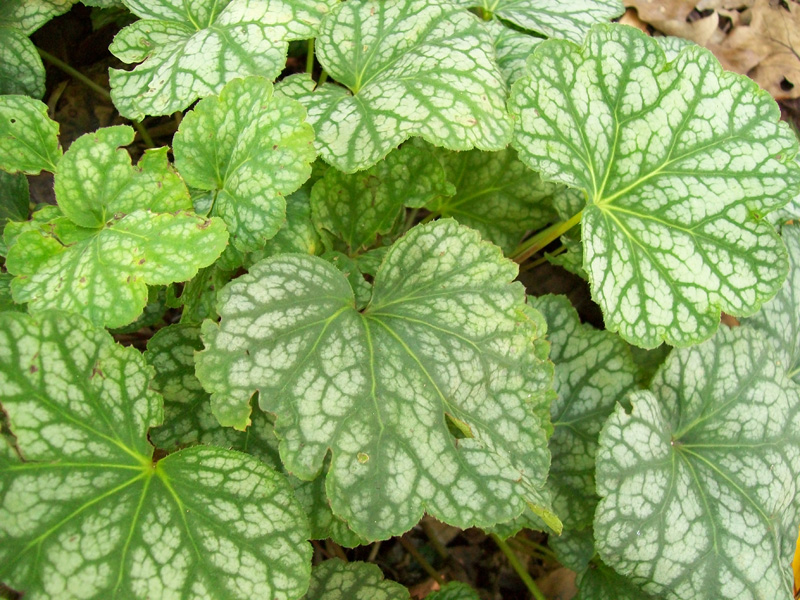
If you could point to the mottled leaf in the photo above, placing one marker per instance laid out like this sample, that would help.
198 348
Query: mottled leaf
513 49
574 548
199 296
14 198
570 258
191 50
335 579
29 15
251 150
89 514
297 234
454 590
21 69
446 339
699 482
601 582
411 68
679 160
28 137
6 301
358 208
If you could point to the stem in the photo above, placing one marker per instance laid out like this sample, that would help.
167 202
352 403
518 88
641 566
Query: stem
310 57
538 547
323 77
434 539
429 217
75 74
539 241
412 550
542 259
519 568
373 552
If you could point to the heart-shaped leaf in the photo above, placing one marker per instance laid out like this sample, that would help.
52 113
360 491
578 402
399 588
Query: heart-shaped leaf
679 161
699 482
431 398
411 68
189 50
86 512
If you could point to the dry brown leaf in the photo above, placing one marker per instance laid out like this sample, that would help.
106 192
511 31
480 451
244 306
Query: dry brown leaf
778 26
631 18
672 18
559 584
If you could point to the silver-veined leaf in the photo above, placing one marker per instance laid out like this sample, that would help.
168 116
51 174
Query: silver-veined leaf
699 481
251 150
679 160
297 234
85 512
21 69
513 49
411 68
431 399
28 137
29 15
335 579
189 50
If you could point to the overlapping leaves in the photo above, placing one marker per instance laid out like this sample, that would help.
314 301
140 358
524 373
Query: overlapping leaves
84 510
337 580
680 161
431 398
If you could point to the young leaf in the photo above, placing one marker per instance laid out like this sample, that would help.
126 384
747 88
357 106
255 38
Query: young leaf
29 15
21 69
28 137
593 371
496 194
191 50
124 229
87 513
780 317
445 339
358 208
679 162
412 68
250 149
335 579
558 19
699 482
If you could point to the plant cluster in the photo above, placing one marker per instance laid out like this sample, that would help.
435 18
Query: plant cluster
352 349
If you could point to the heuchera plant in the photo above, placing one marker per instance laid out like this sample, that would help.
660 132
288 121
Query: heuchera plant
353 350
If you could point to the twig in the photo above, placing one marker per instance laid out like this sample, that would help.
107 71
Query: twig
519 568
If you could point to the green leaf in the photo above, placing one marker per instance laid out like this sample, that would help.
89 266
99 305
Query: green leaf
88 513
601 582
411 68
360 207
779 319
14 198
593 371
337 580
297 234
21 69
191 50
496 194
445 337
29 15
199 296
250 149
569 20
571 259
454 590
28 137
699 482
680 161
513 49
153 312
574 548
99 258
362 290
6 301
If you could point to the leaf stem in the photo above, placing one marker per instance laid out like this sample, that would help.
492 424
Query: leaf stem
519 568
544 550
310 57
542 259
75 74
412 550
323 77
434 539
539 241
429 217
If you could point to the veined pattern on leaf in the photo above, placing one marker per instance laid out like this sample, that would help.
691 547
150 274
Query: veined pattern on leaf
191 50
446 343
335 579
251 150
86 513
699 482
29 15
411 68
680 161
28 137
21 69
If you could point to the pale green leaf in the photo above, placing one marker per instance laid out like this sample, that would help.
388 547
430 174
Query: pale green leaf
6 301
297 234
513 49
335 579
191 50
454 590
593 371
29 15
28 137
251 150
699 482
360 207
90 515
680 161
445 338
152 314
561 19
779 319
21 69
495 194
411 68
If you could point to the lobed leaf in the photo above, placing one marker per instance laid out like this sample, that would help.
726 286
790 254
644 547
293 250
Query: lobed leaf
445 342
335 579
249 149
191 50
86 512
679 160
699 481
21 69
28 137
411 68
